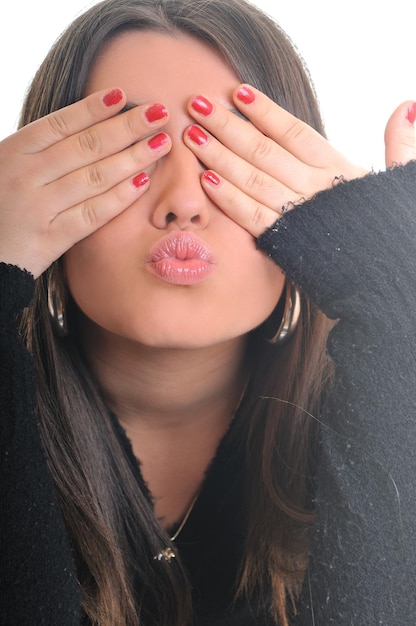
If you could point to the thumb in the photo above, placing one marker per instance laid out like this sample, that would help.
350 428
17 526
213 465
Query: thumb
400 135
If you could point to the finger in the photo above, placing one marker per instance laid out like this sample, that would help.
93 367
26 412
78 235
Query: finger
99 141
51 238
242 174
400 135
276 142
246 141
250 214
82 220
297 137
97 178
65 122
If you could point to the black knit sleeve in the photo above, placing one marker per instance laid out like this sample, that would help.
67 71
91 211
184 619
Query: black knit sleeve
37 578
352 250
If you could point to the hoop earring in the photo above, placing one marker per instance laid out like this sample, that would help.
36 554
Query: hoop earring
56 303
290 317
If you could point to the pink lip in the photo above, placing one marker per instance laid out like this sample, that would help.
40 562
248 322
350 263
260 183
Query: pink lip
180 259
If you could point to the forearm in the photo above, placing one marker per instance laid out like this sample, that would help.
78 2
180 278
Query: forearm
352 251
37 578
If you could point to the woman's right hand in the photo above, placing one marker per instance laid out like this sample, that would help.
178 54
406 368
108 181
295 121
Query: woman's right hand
400 135
66 175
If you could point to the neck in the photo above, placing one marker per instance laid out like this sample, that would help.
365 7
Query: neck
175 406
154 388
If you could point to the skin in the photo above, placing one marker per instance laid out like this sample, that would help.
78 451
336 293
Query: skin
67 188
107 271
169 358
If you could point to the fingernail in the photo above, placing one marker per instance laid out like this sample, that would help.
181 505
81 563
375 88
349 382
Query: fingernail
202 105
158 141
113 97
246 95
211 177
156 112
197 135
140 180
411 113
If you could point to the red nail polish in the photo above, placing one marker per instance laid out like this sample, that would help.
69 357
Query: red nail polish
156 112
211 177
246 95
197 135
140 180
411 113
113 97
158 141
202 105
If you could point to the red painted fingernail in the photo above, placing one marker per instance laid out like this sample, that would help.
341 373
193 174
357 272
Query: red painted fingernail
156 112
158 141
197 135
211 177
113 97
202 105
246 95
141 179
411 113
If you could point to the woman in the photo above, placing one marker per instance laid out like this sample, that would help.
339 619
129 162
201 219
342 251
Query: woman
159 456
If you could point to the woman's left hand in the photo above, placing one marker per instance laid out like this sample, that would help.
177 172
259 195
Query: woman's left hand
262 166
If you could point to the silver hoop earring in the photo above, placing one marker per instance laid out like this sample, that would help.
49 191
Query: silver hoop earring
290 317
56 303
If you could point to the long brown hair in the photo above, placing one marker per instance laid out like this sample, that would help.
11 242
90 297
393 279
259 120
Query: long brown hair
101 500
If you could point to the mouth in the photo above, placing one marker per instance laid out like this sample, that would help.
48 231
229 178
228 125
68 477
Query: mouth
181 258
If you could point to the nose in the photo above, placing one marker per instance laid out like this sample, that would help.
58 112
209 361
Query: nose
180 200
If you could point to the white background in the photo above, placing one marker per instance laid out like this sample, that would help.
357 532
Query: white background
361 55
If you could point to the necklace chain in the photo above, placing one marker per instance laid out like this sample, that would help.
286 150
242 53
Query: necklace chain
167 554
186 516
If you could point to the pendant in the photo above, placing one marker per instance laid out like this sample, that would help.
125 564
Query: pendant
165 555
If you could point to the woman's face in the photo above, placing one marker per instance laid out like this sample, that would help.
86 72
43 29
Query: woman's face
113 275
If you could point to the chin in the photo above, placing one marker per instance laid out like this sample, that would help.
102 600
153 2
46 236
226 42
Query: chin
189 335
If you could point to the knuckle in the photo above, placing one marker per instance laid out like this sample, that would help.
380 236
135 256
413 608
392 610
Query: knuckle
258 217
58 124
224 122
254 180
90 104
120 197
261 148
89 215
295 131
94 176
135 154
131 127
89 143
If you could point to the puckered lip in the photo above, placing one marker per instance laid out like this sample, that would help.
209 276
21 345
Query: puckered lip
180 258
181 245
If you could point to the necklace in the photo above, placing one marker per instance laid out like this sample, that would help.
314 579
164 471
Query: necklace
167 554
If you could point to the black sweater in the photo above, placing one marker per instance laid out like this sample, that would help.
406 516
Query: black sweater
351 249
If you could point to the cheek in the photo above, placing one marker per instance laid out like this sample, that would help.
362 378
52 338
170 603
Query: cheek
103 262
257 292
251 283
95 275
106 278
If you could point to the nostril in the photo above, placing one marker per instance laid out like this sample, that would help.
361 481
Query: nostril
172 217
